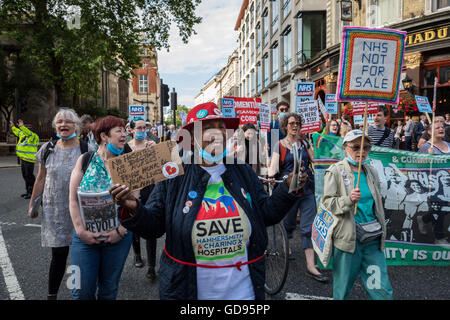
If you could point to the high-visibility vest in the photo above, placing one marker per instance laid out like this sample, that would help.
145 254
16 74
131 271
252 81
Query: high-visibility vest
28 143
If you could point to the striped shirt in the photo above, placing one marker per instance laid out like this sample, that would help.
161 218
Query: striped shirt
377 134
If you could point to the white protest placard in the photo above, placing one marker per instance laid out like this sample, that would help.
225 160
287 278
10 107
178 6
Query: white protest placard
359 119
310 116
323 110
264 117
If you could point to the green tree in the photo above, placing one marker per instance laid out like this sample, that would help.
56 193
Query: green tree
168 119
68 54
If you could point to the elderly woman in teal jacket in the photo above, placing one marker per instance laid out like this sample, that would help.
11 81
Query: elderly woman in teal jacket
358 239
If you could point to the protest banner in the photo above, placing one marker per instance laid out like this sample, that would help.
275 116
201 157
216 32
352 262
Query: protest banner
309 112
331 104
137 112
147 166
323 110
228 108
409 192
358 108
305 91
370 65
264 117
246 109
359 119
423 104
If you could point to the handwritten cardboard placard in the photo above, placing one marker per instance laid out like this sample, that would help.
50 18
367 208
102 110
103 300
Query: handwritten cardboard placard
371 64
147 166
264 117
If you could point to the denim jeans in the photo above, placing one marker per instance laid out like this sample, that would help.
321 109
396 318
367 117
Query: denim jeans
100 265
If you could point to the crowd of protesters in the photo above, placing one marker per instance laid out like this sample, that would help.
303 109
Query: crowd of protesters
77 161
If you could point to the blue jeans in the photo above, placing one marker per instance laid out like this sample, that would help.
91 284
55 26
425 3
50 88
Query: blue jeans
100 265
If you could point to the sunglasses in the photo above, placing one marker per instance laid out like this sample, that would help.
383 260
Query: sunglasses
284 109
358 147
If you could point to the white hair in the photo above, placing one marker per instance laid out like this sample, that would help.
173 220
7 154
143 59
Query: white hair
68 114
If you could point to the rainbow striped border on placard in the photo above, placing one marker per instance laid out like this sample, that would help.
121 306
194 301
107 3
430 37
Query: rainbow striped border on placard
343 86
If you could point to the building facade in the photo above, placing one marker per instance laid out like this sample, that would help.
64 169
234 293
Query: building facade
145 85
282 42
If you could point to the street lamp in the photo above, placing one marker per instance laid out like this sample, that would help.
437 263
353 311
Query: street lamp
408 84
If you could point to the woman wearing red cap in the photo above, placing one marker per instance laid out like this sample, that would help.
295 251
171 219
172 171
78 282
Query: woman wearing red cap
214 216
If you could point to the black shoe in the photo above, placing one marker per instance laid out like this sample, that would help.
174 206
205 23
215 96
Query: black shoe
151 274
138 262
27 196
318 277
24 195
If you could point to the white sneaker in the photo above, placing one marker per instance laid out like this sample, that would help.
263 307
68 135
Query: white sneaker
421 225
441 241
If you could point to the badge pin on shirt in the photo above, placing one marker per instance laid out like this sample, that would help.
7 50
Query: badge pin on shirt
346 182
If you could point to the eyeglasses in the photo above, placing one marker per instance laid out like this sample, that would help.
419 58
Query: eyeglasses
141 128
284 109
298 124
357 147
61 121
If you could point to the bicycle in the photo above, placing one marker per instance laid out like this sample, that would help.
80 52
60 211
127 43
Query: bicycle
276 254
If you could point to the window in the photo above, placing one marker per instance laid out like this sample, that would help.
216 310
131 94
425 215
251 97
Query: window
143 83
265 26
311 34
266 69
439 4
247 57
286 8
253 83
274 6
252 15
247 91
287 49
258 38
383 12
248 27
252 44
258 7
258 77
274 61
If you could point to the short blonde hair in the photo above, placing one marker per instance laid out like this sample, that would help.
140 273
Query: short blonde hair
68 114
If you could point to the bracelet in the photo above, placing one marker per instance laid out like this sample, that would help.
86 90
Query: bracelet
117 230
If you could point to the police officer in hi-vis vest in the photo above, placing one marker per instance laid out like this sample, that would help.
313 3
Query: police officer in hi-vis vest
26 149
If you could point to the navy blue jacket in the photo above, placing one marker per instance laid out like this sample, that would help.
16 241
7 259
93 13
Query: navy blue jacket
163 214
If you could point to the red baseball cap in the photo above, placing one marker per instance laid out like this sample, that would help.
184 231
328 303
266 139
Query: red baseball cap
208 111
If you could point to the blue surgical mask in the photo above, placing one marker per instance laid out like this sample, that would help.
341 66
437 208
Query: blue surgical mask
114 149
355 163
209 157
333 134
281 115
73 135
140 135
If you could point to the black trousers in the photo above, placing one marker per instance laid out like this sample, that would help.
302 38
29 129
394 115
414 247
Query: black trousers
28 174
151 249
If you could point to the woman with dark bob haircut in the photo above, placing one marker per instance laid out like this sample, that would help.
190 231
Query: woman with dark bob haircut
282 163
99 255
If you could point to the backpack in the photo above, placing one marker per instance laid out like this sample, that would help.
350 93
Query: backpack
52 144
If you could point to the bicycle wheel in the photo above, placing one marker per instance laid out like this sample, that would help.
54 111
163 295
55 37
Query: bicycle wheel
277 262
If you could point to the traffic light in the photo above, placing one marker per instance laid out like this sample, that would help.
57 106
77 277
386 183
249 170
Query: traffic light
173 100
164 95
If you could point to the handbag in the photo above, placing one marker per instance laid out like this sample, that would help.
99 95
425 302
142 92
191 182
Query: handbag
369 231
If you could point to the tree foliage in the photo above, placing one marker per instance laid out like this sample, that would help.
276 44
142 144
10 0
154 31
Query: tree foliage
69 54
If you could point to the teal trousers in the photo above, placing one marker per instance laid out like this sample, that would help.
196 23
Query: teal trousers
369 262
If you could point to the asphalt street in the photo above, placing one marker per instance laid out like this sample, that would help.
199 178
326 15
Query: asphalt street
24 263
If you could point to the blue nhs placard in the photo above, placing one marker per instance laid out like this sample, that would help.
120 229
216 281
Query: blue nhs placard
228 108
423 105
135 112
